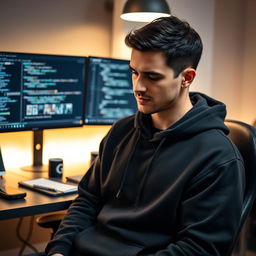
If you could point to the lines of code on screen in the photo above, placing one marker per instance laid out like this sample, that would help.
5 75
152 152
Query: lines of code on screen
40 91
109 91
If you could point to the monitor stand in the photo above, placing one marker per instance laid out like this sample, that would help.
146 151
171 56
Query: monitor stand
37 154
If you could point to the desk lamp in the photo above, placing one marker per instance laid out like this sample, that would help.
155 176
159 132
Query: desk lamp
145 10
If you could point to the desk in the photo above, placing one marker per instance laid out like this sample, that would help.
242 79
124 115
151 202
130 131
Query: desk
35 202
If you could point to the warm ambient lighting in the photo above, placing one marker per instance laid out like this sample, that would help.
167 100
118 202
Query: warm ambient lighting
145 10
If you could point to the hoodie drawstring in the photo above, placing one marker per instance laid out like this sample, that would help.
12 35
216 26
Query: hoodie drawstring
147 172
126 168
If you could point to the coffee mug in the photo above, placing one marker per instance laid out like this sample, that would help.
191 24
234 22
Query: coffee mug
55 167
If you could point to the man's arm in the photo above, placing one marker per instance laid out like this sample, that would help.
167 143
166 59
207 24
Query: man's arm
210 213
81 214
84 210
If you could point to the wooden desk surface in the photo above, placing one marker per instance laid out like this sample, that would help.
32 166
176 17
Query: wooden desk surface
35 202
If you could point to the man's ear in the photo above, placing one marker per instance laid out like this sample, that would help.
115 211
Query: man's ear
188 76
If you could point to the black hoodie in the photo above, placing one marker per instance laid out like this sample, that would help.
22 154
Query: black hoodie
173 192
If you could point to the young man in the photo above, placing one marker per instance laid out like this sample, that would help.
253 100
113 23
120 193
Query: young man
167 180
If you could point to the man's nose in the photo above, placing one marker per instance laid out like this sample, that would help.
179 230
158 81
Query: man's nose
139 85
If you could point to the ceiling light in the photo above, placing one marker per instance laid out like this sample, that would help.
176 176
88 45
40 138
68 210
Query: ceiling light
145 10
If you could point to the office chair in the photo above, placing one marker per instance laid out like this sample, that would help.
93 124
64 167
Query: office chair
244 137
50 220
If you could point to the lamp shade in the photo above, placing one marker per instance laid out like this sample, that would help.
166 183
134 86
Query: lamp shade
145 10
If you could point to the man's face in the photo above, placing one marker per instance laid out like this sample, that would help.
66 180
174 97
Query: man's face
154 85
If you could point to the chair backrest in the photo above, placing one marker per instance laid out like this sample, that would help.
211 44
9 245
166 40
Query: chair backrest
244 137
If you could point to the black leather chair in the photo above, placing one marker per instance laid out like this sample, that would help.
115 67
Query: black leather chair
244 137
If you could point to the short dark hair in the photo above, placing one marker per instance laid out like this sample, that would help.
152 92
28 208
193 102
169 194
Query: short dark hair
180 43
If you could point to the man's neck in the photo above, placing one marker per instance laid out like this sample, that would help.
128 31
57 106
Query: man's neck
164 119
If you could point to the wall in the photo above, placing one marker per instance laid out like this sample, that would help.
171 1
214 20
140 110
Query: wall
228 54
234 58
62 26
78 27
248 84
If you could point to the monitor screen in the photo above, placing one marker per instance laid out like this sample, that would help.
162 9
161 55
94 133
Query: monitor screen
40 91
109 94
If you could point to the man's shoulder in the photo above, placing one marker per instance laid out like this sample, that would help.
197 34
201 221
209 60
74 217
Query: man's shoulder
218 141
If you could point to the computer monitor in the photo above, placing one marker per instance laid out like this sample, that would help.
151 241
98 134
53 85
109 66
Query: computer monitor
39 91
109 94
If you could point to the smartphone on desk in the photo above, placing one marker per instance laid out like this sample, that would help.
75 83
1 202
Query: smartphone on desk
8 192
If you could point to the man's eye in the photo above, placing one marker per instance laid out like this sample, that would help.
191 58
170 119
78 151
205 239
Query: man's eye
134 72
154 77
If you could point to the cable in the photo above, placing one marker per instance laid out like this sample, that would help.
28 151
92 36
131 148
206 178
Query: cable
26 240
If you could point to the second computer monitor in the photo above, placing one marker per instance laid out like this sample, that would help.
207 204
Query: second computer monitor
109 95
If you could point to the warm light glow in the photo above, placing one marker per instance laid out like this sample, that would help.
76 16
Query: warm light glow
143 16
74 145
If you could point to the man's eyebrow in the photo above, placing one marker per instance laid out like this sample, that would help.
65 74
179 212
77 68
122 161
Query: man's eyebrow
147 72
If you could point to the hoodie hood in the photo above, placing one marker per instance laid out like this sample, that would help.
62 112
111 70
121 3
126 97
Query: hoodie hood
207 113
